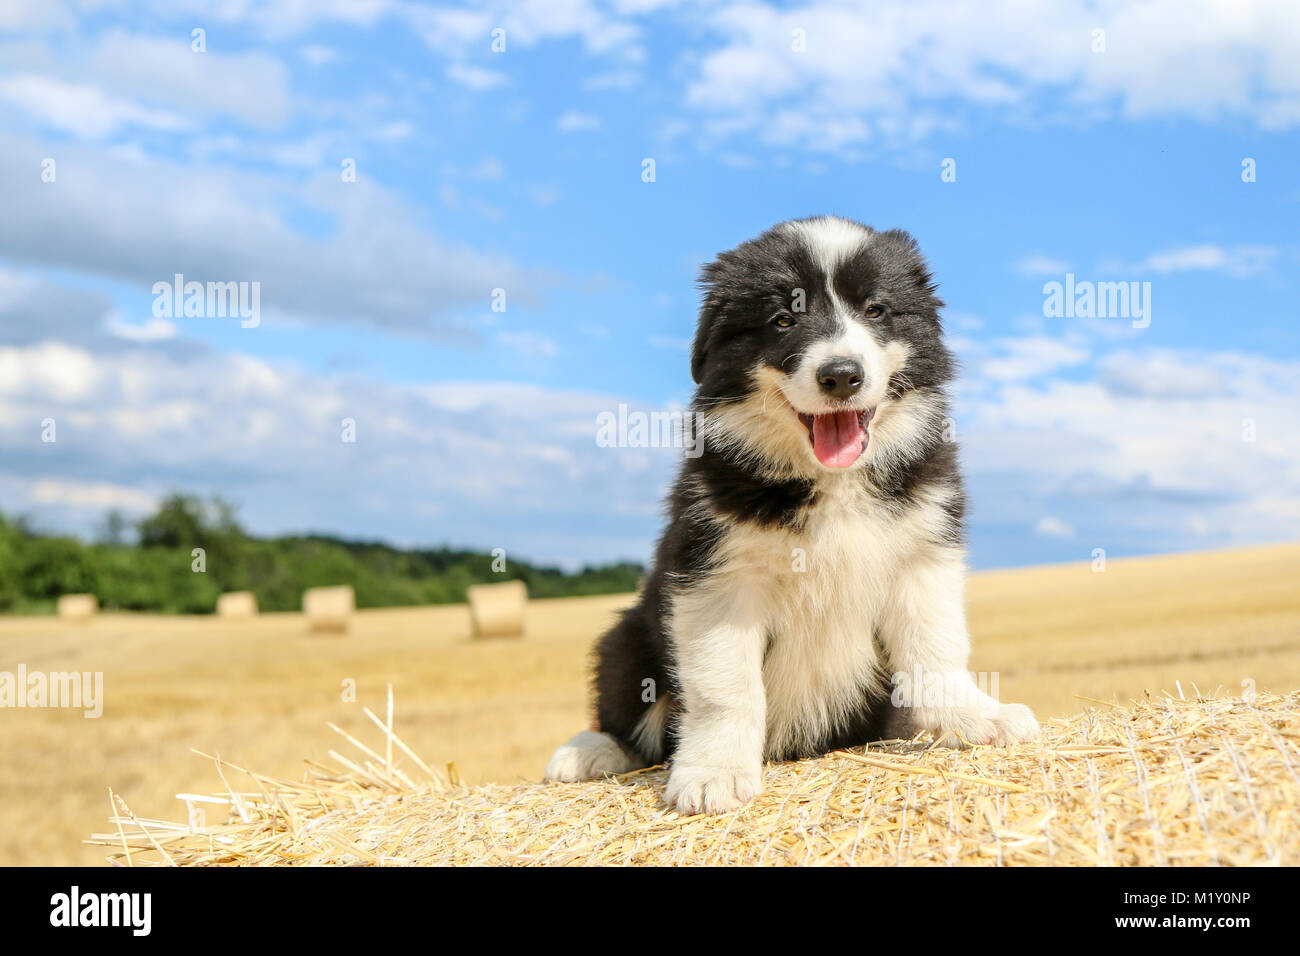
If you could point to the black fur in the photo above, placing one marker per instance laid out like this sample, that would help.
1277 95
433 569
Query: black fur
743 290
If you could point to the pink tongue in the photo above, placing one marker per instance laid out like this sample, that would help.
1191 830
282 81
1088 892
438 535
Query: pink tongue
838 438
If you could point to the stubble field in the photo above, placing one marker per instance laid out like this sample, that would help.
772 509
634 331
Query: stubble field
259 693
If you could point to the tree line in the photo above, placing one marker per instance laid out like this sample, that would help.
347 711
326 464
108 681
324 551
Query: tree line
179 559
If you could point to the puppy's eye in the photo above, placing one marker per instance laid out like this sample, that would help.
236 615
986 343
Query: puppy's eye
784 321
874 311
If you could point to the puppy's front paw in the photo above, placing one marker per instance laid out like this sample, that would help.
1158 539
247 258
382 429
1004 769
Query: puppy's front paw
997 724
1013 724
696 789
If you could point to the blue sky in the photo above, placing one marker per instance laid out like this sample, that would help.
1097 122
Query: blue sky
1113 157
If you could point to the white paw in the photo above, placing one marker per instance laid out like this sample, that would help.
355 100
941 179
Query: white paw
999 726
589 756
694 789
1014 724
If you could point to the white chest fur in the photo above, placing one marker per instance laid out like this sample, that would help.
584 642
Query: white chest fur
817 595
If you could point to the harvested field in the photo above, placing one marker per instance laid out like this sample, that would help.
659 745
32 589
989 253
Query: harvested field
259 691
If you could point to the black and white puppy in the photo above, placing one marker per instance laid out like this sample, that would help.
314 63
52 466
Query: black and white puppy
815 546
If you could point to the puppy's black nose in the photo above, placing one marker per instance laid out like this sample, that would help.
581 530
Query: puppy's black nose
841 377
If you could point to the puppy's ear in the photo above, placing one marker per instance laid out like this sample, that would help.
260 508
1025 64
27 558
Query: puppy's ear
918 270
709 310
700 350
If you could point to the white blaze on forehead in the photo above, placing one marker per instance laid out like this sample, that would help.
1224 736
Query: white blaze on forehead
832 240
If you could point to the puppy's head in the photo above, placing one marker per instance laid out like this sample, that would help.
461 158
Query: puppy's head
811 339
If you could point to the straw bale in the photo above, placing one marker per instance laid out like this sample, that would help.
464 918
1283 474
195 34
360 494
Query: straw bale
78 607
329 609
497 610
236 604
1163 782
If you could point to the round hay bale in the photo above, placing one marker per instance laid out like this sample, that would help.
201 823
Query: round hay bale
329 609
237 604
497 610
78 607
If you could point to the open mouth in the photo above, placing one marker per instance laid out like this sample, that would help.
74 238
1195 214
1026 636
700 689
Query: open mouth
838 439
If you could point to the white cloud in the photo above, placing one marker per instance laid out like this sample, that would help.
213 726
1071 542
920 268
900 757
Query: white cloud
576 122
53 371
1238 261
376 262
81 109
252 88
459 462
99 496
275 19
889 72
34 15
394 132
1142 461
460 32
306 153
529 343
1161 374
1040 265
475 77
737 160
1050 527
319 55
488 169
93 89
1030 357
155 330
